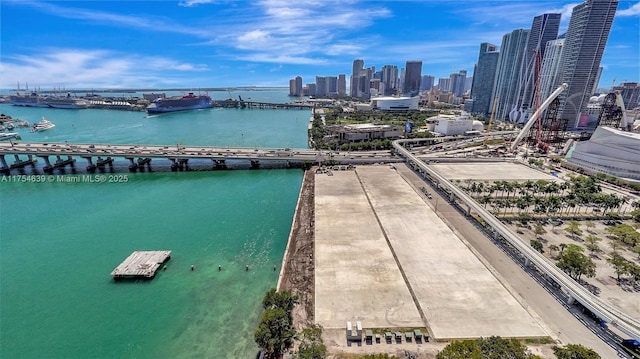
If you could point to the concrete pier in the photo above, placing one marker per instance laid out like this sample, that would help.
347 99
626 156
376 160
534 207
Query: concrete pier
141 265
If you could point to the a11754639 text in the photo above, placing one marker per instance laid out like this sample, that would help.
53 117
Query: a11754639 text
80 178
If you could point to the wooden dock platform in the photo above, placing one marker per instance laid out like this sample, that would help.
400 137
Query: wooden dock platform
141 265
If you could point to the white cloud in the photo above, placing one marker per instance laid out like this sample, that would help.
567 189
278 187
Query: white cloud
92 68
189 3
632 11
282 59
254 39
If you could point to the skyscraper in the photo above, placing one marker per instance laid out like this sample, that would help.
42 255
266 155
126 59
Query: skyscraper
549 68
508 73
358 66
428 82
544 28
295 86
321 86
483 77
412 78
342 85
585 42
458 82
390 79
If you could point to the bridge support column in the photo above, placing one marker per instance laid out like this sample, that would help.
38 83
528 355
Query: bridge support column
219 164
133 166
527 262
90 167
144 161
469 211
47 164
5 167
179 164
452 197
255 164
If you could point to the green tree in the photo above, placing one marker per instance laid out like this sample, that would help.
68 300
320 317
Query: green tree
574 229
311 345
461 349
574 351
284 299
274 334
590 226
275 331
539 230
625 233
620 264
575 263
592 243
553 248
537 245
486 348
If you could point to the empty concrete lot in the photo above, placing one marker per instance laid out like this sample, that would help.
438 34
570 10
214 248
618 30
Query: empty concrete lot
490 171
385 258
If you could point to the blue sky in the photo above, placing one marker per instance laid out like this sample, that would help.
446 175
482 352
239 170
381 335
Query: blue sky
221 43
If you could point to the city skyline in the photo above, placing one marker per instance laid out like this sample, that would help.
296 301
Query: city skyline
206 43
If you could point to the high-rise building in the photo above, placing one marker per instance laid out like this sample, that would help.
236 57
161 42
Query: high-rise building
321 86
458 83
428 81
332 85
412 78
356 71
390 79
444 84
292 87
295 86
311 89
508 73
583 48
550 66
543 29
483 77
342 85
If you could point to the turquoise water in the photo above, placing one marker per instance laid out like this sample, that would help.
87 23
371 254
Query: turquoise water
60 241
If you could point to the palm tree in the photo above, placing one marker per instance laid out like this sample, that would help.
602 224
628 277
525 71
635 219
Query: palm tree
528 184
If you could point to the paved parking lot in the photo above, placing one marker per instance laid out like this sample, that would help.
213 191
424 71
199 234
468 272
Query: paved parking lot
371 229
490 171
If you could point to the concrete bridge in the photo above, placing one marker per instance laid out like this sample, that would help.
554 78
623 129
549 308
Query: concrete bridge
60 155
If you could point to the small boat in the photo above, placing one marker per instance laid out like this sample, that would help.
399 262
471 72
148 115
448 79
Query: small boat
5 136
43 125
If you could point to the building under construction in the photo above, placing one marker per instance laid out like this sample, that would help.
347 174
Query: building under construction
548 129
611 114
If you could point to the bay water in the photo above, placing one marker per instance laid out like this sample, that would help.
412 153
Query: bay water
59 241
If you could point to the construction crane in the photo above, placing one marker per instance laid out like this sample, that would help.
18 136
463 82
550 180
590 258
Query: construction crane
493 110
536 114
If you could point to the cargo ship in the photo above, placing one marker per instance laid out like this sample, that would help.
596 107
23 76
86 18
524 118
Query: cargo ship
180 103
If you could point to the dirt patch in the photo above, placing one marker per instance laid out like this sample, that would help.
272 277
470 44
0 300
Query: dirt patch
623 296
298 267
